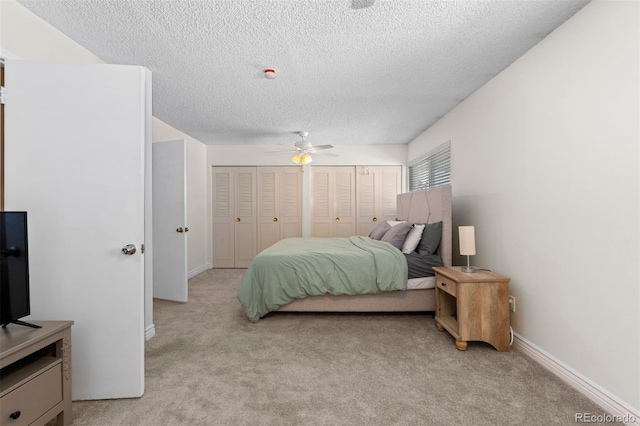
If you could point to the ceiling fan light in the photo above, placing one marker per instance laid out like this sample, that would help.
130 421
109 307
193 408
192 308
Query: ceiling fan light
306 159
296 159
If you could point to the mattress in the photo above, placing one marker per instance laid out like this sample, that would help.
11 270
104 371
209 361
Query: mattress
421 283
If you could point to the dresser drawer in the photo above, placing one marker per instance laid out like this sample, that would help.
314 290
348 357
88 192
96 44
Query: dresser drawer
445 284
32 399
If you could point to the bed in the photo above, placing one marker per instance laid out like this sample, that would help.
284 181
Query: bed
395 290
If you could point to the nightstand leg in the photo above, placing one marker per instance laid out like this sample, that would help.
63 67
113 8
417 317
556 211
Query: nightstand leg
440 327
462 346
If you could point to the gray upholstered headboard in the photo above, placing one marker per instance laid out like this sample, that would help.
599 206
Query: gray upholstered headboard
429 206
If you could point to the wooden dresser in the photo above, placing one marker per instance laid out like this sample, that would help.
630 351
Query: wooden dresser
35 374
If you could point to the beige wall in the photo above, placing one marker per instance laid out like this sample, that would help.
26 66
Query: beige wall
545 164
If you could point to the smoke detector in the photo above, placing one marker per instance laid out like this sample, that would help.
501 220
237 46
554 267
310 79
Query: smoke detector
270 73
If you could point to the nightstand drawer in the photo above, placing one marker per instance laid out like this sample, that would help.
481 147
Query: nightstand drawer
446 284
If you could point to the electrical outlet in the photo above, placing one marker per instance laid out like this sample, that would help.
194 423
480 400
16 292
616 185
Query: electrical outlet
512 303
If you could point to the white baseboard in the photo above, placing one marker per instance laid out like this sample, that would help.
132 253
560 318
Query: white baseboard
149 332
199 270
617 409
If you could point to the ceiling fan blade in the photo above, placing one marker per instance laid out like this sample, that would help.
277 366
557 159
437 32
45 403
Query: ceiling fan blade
292 148
281 152
326 154
317 147
361 4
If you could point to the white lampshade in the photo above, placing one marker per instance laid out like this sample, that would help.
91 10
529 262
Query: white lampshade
296 159
467 240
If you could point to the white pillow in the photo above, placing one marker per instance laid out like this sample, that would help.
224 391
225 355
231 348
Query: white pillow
395 222
413 238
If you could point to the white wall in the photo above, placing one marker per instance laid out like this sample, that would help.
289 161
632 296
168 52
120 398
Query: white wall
545 164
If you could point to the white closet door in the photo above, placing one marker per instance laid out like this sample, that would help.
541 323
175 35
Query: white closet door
268 206
321 202
223 217
333 201
366 200
376 191
344 202
390 187
245 212
279 204
290 218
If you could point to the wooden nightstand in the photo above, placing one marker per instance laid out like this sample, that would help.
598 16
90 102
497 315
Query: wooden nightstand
473 306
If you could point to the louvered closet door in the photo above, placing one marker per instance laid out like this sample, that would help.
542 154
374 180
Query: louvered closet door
390 187
279 204
344 202
376 191
245 216
268 206
290 218
333 201
366 200
223 217
234 216
321 205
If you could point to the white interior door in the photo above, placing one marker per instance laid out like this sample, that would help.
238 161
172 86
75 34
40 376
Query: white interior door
75 156
170 220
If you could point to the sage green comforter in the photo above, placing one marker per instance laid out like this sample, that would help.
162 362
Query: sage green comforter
294 268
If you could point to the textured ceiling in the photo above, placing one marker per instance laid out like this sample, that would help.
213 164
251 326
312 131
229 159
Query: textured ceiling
348 71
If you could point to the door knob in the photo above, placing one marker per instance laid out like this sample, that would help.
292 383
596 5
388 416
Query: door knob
375 219
180 230
129 249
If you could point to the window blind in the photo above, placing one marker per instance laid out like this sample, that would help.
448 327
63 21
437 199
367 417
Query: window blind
433 169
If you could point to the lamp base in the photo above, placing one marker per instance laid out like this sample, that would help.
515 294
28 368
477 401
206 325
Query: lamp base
468 269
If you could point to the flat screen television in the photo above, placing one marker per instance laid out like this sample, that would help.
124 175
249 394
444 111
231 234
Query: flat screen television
14 269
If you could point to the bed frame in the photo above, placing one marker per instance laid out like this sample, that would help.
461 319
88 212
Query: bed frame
423 206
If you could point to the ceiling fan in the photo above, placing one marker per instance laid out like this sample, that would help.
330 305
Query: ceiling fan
303 150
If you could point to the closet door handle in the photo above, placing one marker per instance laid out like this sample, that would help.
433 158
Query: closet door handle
375 219
337 219
186 229
275 219
180 230
237 219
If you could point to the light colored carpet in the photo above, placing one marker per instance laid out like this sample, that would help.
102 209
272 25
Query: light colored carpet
209 365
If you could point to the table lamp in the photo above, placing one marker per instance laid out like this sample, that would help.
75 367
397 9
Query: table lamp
467 245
